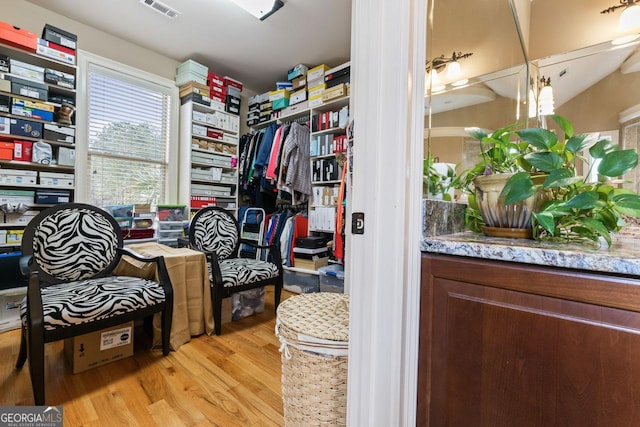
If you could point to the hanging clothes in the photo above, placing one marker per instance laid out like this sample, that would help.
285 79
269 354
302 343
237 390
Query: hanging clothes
295 174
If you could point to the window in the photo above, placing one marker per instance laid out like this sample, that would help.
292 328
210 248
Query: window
129 127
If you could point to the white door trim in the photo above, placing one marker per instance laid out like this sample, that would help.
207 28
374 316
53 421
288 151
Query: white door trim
388 42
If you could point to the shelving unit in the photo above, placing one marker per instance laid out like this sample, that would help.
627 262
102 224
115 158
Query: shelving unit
317 206
209 150
14 193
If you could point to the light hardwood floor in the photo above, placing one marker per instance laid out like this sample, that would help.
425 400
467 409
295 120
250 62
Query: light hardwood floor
229 380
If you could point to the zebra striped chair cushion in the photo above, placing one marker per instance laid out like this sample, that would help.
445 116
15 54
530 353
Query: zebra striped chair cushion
84 301
216 231
74 244
242 271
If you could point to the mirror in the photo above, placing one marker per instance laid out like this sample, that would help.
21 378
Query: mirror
596 84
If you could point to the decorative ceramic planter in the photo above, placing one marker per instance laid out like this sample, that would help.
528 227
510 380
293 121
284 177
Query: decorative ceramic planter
502 220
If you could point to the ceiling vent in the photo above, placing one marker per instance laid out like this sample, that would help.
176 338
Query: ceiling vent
162 8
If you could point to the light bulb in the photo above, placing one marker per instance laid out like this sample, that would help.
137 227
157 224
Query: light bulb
453 71
545 101
460 82
435 79
630 18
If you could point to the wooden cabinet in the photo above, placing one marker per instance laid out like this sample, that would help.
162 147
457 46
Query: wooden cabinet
508 344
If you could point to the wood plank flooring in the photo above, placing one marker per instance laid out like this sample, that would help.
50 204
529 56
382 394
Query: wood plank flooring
229 380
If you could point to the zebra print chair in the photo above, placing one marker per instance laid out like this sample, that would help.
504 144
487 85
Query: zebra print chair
216 233
73 249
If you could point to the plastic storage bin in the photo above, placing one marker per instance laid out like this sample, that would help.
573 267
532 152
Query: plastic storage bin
314 332
300 283
331 278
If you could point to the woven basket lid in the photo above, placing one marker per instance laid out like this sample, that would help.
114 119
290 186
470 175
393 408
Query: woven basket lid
321 315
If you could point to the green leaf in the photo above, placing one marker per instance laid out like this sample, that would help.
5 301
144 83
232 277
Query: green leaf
560 178
519 187
545 161
542 139
564 124
599 149
476 133
577 143
546 221
618 163
585 200
627 200
596 227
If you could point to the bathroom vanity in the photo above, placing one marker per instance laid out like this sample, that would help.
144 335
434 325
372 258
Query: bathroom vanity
524 333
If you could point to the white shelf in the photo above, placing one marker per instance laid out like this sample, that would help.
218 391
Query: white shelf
318 183
209 125
336 130
323 156
200 150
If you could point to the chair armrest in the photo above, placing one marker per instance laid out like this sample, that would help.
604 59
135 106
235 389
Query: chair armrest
183 242
274 252
137 256
163 273
23 263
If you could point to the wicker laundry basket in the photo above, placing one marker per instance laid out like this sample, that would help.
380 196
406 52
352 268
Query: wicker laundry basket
314 332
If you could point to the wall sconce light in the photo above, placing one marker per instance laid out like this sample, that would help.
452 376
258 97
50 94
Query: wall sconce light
630 16
545 97
453 70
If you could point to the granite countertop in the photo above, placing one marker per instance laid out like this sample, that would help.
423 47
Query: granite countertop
623 257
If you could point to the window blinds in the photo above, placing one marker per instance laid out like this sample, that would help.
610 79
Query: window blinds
128 137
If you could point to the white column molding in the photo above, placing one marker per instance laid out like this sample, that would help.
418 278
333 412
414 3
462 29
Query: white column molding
388 42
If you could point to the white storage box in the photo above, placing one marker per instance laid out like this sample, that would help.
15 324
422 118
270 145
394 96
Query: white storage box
211 159
191 66
28 71
299 282
18 176
199 130
199 117
57 179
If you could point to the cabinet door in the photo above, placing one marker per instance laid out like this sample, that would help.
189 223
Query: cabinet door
493 356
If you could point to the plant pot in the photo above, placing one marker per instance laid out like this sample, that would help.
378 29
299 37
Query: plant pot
502 220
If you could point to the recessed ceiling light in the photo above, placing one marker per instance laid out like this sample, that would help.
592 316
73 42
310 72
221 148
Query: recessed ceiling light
261 9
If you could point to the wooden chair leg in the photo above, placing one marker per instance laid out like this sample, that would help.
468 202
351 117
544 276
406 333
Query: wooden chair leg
22 354
36 365
217 311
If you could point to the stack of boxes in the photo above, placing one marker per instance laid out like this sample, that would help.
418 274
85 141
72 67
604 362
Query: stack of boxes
337 82
224 92
310 253
58 44
191 78
298 78
170 224
316 85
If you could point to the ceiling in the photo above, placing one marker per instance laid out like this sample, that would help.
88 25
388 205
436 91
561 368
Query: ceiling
223 36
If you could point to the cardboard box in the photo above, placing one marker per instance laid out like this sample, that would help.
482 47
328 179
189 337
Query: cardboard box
6 151
317 72
48 49
297 71
29 88
298 96
66 156
5 125
98 348
26 70
274 95
52 197
22 150
299 82
18 176
59 133
18 37
193 67
57 179
335 92
59 78
60 37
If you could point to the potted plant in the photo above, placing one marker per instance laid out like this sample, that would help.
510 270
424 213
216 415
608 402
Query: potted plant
437 179
501 157
576 209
